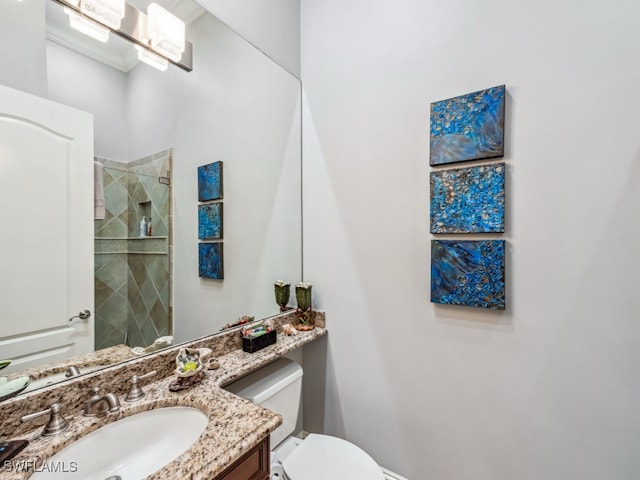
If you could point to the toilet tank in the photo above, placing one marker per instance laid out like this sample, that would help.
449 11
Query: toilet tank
276 386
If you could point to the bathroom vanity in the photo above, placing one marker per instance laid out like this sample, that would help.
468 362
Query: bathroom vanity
234 444
253 465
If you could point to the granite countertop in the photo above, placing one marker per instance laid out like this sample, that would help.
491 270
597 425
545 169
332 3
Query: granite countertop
99 358
235 425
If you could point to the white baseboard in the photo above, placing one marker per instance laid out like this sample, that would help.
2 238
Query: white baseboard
389 475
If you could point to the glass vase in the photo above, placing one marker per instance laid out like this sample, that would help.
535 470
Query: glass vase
283 292
305 312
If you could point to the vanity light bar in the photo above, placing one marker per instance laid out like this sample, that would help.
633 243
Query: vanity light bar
133 27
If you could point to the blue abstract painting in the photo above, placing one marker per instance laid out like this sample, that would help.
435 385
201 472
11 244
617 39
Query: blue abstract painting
469 272
210 221
210 261
468 127
210 182
468 200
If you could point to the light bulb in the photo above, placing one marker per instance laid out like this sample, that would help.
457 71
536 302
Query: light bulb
107 12
150 58
86 26
166 32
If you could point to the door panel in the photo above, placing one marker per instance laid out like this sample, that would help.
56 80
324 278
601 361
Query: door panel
46 259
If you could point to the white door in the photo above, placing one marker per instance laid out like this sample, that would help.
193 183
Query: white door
46 230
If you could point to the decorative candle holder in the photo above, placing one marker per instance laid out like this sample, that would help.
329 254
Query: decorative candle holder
304 311
283 292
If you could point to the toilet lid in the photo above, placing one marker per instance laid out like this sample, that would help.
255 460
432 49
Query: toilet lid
321 457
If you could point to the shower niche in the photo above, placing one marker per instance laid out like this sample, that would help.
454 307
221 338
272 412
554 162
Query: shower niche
144 219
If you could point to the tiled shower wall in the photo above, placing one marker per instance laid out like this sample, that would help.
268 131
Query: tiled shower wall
133 274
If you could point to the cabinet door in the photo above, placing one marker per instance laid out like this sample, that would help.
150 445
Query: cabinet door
253 465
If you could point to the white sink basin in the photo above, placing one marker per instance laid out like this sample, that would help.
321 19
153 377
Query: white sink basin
131 448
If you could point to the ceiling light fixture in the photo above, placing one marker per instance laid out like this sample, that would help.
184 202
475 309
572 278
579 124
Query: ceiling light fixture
153 59
87 26
166 32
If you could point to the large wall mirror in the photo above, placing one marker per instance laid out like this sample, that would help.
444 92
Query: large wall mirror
152 130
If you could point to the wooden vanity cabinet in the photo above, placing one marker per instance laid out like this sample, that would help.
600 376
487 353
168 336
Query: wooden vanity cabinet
253 465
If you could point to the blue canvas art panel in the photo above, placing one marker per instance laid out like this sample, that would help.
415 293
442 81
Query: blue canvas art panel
210 182
468 200
468 127
210 261
469 272
210 221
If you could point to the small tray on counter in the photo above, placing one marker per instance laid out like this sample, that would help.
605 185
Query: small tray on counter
251 345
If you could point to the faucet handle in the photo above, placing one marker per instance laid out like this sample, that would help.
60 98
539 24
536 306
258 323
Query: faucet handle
136 393
56 424
95 393
72 371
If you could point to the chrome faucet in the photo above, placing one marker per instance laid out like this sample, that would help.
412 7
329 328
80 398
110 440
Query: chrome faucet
99 404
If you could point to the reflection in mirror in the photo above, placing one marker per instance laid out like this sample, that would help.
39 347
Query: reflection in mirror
236 106
132 264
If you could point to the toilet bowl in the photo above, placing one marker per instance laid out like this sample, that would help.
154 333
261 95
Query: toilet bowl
278 387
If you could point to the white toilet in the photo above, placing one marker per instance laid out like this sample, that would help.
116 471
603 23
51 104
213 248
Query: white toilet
278 386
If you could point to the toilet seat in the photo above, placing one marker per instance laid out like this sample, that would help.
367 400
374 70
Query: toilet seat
322 457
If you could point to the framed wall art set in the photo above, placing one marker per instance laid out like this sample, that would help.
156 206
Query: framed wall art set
210 225
469 200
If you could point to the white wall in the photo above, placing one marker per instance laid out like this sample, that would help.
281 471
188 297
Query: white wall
84 83
549 388
273 26
22 49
